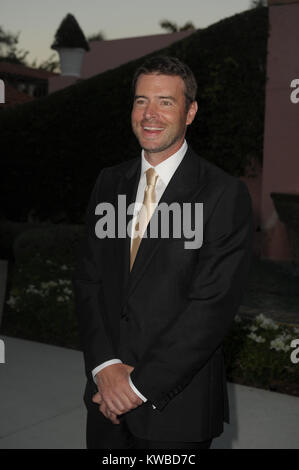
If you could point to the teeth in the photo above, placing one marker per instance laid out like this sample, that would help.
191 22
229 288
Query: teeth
154 128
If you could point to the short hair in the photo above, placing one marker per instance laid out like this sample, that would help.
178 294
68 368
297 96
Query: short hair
166 65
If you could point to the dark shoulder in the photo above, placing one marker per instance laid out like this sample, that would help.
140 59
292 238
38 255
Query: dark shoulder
122 168
215 176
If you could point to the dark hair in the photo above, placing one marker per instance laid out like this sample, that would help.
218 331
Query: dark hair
166 65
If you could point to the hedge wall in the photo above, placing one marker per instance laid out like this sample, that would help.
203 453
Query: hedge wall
53 148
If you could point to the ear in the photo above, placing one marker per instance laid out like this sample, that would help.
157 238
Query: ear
191 112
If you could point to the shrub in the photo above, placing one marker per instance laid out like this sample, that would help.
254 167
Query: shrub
69 34
9 231
58 242
41 306
257 353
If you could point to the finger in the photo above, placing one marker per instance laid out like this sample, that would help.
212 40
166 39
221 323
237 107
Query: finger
116 405
113 418
97 398
108 414
128 402
134 399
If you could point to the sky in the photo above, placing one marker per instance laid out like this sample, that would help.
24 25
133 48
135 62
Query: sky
38 20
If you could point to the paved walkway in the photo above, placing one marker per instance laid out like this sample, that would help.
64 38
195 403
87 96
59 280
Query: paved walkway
41 404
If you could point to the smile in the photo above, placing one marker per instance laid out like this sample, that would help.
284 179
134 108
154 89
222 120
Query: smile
146 128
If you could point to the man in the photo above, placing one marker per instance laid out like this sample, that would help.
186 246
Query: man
152 313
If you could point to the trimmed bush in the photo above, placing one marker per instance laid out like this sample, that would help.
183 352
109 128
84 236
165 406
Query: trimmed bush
69 34
58 242
9 231
40 305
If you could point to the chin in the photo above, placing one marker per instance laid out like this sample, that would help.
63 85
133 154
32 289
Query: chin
156 149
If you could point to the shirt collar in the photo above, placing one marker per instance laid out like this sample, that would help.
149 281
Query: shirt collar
166 169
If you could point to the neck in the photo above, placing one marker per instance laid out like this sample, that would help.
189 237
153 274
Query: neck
155 158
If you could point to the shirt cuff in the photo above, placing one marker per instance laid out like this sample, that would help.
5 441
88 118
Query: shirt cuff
135 390
102 366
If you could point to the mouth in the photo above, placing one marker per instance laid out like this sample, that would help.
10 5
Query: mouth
152 130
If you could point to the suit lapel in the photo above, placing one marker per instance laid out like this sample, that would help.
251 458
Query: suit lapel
127 187
186 181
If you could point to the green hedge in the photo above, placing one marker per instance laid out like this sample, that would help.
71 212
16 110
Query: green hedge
53 148
9 231
40 303
58 242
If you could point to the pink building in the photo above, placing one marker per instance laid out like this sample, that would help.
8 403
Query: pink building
281 150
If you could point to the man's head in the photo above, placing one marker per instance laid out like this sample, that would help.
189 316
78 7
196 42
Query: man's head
164 105
165 65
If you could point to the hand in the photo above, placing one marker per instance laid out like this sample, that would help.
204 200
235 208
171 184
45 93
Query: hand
97 398
115 391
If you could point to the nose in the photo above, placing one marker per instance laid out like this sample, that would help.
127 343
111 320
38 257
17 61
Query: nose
150 110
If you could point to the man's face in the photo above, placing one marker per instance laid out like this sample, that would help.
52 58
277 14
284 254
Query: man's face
159 116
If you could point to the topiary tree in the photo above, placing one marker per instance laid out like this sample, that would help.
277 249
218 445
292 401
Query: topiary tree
69 34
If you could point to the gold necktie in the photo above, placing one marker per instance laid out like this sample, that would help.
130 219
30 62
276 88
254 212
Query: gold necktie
145 213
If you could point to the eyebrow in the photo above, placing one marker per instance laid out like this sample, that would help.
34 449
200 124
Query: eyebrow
160 97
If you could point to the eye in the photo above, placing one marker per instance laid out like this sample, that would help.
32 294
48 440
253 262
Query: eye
166 103
140 101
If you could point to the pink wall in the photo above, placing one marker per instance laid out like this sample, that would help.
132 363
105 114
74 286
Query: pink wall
281 149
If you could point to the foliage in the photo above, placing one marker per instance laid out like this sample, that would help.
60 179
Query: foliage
69 34
65 139
258 3
171 27
52 64
57 242
41 306
100 36
9 231
257 353
9 50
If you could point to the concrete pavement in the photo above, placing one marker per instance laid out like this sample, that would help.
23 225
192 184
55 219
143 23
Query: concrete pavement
41 407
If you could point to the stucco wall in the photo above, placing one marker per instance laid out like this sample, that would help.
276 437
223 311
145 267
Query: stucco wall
281 149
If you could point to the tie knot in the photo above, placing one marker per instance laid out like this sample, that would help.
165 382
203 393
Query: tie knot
151 177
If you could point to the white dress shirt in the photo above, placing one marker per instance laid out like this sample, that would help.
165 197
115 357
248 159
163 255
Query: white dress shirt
165 171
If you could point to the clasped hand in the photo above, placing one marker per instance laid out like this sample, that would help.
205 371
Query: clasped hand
115 396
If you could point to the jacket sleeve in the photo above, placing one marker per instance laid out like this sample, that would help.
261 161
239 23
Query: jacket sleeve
89 301
215 294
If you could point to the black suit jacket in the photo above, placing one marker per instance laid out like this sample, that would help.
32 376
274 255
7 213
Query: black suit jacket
169 316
